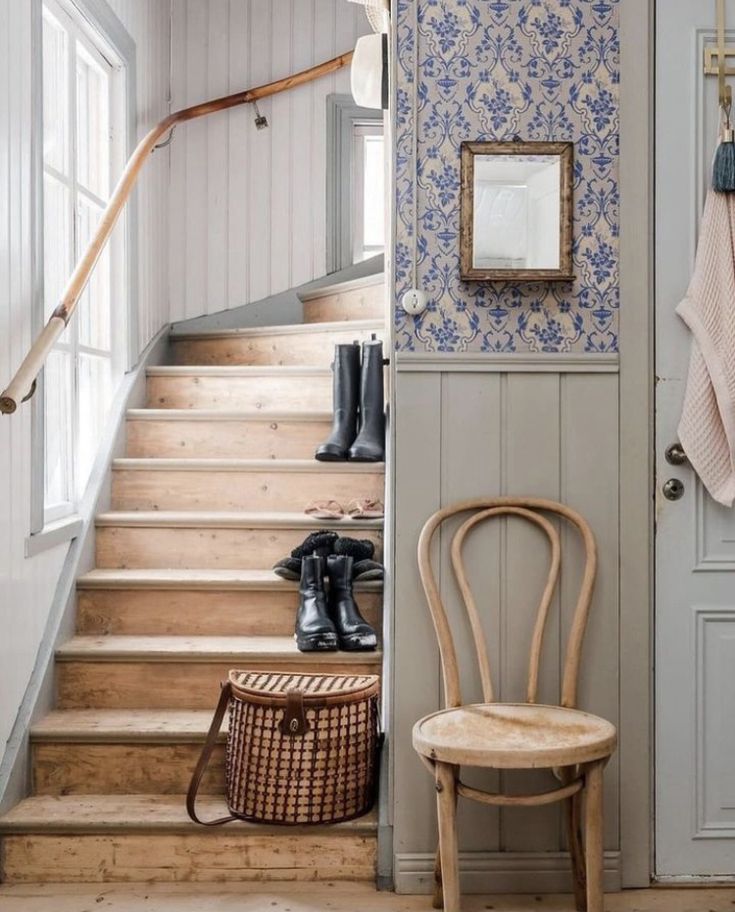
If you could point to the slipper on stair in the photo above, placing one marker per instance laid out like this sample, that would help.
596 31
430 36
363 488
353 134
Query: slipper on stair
365 508
367 570
320 542
325 509
289 568
358 548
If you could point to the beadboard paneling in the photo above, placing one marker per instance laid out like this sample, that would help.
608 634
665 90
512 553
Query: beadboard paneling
466 434
248 207
27 584
149 26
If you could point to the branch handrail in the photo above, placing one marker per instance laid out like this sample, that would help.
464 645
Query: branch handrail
23 384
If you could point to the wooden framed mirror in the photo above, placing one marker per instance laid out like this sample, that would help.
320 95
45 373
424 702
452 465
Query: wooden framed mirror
516 211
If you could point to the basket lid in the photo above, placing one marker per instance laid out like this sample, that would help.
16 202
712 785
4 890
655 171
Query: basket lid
269 685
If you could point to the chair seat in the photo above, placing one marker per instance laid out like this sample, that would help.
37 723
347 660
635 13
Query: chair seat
514 736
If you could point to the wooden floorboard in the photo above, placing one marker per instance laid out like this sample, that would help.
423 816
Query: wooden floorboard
329 897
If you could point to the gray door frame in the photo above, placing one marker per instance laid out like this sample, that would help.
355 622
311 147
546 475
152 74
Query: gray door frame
636 439
342 115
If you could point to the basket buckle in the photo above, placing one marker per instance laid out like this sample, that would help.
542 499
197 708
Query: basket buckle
294 717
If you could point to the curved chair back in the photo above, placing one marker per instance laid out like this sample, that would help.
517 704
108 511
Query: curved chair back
532 509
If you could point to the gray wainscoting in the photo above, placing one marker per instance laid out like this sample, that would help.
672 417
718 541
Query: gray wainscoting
486 427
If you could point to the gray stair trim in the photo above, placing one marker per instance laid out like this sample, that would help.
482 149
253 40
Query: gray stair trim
285 307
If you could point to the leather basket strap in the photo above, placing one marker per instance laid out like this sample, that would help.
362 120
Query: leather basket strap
294 717
199 769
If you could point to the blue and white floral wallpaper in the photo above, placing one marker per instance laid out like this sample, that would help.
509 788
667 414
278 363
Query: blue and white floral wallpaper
505 69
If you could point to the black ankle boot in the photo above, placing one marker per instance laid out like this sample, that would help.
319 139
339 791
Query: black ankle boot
369 445
314 630
353 631
345 396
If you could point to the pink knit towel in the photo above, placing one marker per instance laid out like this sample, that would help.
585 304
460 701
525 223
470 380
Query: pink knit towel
707 424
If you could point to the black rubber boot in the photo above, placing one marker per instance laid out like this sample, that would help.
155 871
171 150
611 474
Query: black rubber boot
369 446
315 632
345 396
353 631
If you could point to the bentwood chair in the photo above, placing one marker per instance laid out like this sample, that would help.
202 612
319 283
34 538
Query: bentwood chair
573 744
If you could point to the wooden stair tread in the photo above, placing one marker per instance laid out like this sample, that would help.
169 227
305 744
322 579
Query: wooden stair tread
238 370
231 519
194 414
143 813
284 329
196 579
202 649
328 291
249 465
123 725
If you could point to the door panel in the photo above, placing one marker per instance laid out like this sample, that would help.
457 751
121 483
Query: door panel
695 543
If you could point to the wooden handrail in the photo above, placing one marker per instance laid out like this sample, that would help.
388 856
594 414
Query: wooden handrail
23 384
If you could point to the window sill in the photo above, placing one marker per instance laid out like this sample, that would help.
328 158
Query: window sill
54 534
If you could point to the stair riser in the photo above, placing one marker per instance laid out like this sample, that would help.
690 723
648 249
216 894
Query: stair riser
171 489
172 685
274 393
359 304
282 439
121 547
197 613
311 348
220 856
122 769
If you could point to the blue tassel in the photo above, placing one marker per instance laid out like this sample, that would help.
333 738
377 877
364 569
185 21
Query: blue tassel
723 171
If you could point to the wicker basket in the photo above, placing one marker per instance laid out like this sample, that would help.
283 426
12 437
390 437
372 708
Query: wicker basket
301 749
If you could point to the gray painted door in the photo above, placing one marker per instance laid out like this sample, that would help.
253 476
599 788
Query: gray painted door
695 550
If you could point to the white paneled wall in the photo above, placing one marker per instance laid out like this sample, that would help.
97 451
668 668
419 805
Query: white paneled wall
149 24
27 585
248 207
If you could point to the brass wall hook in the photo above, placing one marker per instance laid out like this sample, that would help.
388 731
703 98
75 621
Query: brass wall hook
715 62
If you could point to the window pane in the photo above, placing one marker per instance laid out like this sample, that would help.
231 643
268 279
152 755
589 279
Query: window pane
95 386
374 195
93 314
57 241
55 94
58 421
93 125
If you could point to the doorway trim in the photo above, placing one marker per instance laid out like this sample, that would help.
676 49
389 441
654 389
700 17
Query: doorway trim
636 440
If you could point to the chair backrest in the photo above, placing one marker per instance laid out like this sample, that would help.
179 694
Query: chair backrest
532 509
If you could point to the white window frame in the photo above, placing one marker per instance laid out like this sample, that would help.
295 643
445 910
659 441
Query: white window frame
344 117
357 214
97 25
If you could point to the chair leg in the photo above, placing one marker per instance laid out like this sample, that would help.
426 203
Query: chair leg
576 851
437 901
593 829
446 804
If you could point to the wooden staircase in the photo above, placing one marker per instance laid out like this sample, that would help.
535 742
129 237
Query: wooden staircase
209 495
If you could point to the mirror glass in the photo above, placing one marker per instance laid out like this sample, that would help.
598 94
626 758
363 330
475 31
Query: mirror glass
516 206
